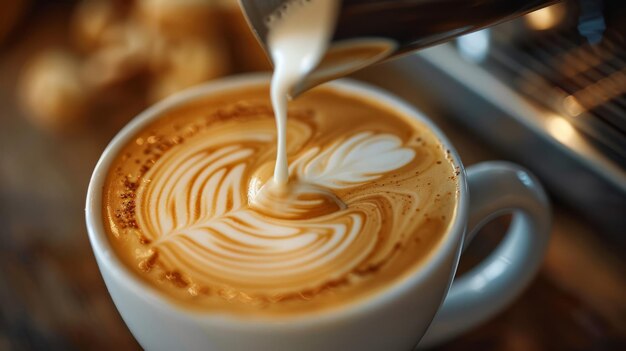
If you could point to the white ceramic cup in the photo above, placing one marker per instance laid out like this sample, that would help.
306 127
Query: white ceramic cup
426 306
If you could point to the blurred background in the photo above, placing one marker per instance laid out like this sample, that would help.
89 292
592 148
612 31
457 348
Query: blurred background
547 90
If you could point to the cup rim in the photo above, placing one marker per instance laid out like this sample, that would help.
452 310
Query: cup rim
107 258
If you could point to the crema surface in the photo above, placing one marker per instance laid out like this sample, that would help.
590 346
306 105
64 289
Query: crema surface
371 194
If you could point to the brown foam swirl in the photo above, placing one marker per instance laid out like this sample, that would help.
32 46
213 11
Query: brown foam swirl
209 220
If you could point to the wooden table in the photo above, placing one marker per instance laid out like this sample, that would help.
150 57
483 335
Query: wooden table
52 296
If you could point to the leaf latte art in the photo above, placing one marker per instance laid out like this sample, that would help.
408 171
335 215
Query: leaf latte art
192 208
200 217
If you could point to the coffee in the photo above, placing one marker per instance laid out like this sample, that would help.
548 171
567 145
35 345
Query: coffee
371 194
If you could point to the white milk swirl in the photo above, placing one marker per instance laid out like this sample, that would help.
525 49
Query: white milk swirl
196 211
298 35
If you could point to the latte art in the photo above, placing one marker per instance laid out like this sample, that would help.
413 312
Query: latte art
196 211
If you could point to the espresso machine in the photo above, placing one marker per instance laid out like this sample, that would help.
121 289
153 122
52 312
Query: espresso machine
545 88
549 91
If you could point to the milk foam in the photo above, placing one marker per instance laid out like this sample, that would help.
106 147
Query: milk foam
297 39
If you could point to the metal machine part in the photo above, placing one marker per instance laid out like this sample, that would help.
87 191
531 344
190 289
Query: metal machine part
548 89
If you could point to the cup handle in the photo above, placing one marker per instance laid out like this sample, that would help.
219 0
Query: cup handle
496 188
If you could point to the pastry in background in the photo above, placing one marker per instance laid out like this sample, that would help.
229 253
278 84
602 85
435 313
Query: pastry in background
188 62
96 23
125 55
162 46
53 92
188 45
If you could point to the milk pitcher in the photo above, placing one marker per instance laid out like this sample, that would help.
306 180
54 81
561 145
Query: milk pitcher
371 31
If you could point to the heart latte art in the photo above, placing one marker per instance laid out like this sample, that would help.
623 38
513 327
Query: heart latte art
190 206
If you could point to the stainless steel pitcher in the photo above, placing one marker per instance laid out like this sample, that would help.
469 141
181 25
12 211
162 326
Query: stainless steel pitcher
370 31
